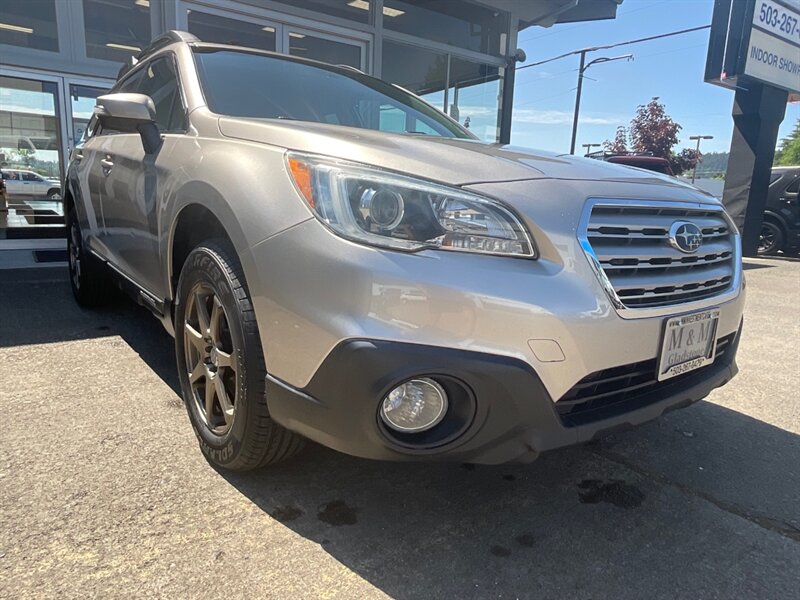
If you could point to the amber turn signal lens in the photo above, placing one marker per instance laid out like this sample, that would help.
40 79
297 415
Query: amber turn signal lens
301 173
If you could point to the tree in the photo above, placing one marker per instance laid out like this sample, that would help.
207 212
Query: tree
685 160
620 143
24 156
653 131
789 153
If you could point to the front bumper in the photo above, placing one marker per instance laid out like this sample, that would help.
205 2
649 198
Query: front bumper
514 420
342 323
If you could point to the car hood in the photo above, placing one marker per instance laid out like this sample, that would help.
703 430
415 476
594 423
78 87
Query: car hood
447 160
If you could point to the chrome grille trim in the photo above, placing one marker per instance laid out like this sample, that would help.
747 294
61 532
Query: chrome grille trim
626 244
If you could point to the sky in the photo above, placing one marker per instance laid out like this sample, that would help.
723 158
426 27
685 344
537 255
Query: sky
670 68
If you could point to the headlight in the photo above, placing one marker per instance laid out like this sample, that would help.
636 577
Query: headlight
380 208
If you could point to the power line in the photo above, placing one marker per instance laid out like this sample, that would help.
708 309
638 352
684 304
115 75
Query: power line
595 48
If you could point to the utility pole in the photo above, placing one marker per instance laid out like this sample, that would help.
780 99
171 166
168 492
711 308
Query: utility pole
581 70
698 138
590 146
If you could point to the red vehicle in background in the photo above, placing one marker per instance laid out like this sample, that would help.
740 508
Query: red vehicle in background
633 159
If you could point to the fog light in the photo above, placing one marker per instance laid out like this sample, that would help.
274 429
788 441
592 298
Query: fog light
416 405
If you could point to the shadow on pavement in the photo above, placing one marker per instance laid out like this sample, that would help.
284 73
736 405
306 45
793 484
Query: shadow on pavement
38 308
751 266
649 512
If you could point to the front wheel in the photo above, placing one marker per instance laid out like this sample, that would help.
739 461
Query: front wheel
54 194
221 363
770 240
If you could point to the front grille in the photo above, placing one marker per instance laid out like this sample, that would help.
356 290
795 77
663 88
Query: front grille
631 243
615 391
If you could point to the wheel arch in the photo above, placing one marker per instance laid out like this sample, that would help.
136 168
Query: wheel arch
193 224
777 218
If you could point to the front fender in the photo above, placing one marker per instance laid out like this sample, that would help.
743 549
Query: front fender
245 185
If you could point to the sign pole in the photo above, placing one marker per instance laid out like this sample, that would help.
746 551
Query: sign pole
757 114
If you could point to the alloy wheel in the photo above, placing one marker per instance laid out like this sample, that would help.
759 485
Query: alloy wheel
766 239
210 359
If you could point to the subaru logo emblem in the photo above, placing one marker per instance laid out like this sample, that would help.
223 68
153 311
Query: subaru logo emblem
685 236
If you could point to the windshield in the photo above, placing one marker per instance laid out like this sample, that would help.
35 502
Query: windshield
248 84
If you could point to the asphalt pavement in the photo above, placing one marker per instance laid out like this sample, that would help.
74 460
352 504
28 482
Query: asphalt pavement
104 493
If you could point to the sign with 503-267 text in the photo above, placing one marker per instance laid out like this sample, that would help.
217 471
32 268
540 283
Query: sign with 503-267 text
773 51
755 40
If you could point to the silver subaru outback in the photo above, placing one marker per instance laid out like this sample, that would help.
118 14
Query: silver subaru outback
341 262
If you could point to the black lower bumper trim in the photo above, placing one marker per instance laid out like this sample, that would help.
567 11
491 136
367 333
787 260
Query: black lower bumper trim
514 417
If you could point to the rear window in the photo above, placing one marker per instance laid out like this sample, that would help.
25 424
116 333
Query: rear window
247 84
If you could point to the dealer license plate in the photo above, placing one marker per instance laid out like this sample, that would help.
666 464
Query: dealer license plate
689 343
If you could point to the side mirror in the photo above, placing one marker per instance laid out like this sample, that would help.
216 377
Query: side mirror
130 113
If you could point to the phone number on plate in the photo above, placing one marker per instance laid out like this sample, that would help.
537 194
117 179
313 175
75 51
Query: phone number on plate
777 19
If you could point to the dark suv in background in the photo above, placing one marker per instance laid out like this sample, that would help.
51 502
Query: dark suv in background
781 226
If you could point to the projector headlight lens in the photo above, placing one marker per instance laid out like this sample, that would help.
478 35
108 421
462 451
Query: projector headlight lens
380 208
413 406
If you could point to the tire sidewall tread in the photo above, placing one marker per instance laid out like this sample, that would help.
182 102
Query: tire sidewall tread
254 439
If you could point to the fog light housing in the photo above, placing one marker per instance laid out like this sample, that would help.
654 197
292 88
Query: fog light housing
413 406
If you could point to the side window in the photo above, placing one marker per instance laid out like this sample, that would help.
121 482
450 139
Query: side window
794 187
160 82
30 177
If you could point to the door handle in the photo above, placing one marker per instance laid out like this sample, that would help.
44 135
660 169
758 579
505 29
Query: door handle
107 164
77 155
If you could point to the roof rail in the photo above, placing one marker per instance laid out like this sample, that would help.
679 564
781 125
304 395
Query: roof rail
350 68
166 39
158 43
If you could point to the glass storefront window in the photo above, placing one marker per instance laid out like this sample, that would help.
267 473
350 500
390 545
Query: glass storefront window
30 156
29 23
116 29
354 10
474 97
222 30
419 70
456 22
326 50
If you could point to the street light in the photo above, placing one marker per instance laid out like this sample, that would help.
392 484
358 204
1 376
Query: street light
581 70
589 147
697 158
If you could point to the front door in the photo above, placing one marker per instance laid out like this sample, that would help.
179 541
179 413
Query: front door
134 181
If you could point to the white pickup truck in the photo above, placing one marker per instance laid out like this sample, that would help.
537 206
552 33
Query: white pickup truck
29 184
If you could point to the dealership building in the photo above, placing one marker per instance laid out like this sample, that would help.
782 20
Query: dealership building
57 56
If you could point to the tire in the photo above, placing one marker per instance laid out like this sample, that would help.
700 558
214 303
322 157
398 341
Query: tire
54 194
87 276
221 364
771 238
